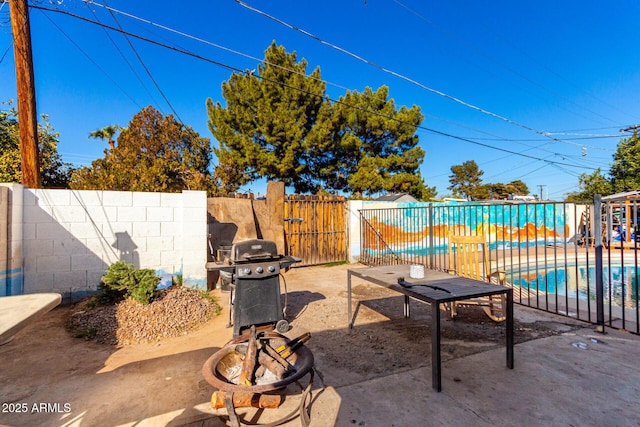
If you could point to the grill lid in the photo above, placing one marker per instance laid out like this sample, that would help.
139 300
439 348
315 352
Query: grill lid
253 250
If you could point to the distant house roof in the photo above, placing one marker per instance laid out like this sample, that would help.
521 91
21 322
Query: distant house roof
397 197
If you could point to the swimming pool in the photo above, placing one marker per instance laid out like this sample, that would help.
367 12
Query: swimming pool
620 282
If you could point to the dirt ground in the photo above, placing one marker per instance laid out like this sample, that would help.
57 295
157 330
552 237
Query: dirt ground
85 383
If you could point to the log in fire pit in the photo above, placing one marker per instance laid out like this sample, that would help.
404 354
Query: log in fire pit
257 363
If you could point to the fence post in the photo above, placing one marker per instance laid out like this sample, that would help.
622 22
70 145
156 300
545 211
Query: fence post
431 237
597 227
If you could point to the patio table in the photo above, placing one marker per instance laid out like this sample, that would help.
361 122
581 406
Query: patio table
19 311
435 288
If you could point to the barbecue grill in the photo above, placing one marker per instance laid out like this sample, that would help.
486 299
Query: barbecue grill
253 268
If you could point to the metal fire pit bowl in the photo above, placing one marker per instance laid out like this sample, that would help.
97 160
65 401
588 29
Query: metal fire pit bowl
214 371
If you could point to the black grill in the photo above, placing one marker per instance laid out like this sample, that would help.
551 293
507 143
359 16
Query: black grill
252 270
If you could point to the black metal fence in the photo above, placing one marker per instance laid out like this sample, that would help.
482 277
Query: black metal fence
574 260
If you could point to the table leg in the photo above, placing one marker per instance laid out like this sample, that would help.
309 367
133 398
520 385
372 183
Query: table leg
436 376
407 308
349 320
510 326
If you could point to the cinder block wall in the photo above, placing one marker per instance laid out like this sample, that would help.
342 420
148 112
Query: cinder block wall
70 237
5 271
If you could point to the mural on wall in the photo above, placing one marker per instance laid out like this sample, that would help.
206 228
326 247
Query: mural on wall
414 227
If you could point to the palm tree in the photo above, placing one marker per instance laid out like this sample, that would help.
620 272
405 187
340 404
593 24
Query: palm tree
107 133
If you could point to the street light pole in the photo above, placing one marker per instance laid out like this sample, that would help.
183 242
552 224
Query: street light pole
27 116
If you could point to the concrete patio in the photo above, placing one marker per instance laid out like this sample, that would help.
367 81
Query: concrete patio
577 377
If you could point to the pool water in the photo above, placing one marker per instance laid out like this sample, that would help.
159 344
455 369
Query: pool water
620 283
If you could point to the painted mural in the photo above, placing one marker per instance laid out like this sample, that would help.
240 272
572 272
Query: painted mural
421 228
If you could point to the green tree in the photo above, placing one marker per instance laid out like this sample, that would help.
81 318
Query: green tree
591 184
625 170
267 118
226 176
154 153
55 172
278 124
107 132
502 191
374 146
466 181
624 174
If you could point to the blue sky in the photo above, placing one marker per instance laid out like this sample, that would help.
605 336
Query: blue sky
535 91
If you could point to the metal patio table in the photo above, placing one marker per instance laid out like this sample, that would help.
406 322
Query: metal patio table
435 288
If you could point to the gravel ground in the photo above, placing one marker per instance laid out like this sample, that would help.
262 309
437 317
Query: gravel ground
175 312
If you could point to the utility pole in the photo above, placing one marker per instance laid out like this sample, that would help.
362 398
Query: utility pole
27 116
541 187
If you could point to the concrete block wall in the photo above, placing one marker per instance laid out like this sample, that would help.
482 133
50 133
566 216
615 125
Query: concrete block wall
5 272
70 237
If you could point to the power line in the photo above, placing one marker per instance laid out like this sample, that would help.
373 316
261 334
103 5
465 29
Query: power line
91 59
146 69
396 74
496 61
237 70
542 65
564 139
226 49
5 52
124 58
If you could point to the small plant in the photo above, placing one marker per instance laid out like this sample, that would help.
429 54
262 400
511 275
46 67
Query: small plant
86 333
206 295
123 280
176 280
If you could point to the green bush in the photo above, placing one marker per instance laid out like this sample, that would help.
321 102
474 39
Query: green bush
177 280
123 280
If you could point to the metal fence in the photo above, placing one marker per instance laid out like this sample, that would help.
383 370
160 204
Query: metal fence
563 258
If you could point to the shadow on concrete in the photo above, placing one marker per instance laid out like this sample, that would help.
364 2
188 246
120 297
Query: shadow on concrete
297 302
84 383
169 389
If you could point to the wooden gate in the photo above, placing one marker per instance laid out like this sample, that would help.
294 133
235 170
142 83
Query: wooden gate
315 228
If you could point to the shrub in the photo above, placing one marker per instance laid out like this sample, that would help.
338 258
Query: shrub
123 280
177 280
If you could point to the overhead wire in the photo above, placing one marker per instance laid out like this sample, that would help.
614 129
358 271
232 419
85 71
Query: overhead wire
547 68
90 58
125 59
577 138
520 177
398 75
146 69
498 138
236 52
237 70
5 52
496 61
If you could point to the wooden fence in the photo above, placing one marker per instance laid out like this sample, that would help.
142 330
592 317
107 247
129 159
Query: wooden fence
315 228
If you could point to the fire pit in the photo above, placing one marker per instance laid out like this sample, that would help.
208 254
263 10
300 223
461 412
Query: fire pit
235 371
